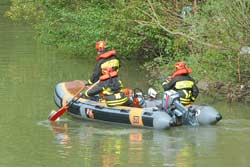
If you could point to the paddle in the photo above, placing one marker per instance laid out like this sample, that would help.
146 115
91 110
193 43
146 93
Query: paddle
65 108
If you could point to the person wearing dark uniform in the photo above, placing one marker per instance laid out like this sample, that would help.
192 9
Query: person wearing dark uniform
183 83
104 59
109 88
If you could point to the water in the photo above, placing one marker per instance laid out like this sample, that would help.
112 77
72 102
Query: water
29 71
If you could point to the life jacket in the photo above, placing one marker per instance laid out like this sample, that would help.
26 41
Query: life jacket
108 76
181 72
106 55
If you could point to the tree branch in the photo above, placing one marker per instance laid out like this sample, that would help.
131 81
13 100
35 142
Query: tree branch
156 22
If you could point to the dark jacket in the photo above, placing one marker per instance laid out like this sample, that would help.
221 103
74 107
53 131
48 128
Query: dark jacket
185 86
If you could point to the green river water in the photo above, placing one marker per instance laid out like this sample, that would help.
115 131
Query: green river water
29 72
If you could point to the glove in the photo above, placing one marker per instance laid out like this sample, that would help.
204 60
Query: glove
82 94
86 83
166 78
169 78
192 99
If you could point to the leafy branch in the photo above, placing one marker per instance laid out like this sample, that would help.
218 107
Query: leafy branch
156 22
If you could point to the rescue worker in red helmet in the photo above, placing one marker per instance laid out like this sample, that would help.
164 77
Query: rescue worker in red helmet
104 59
183 83
109 88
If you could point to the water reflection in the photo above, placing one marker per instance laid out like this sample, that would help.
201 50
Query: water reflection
107 146
60 130
62 138
135 148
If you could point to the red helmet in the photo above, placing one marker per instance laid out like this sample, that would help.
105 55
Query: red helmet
100 46
180 66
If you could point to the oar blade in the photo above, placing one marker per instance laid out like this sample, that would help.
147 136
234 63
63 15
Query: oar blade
59 113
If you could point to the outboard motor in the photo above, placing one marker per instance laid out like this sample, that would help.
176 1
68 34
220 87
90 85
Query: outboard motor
180 113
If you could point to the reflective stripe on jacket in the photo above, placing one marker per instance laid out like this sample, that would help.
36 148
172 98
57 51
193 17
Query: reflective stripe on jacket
110 90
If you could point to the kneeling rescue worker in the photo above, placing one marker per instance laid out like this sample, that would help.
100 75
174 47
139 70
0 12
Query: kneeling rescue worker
183 83
104 59
109 89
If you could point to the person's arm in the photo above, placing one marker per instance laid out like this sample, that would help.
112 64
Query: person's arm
96 74
195 92
168 84
93 91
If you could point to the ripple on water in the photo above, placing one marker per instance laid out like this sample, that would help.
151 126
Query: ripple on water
241 125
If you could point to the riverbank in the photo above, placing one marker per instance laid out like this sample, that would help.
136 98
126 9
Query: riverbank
230 92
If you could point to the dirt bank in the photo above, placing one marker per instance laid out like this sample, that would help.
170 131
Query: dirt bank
239 92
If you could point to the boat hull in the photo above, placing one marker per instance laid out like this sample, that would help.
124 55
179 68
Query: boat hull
98 111
152 116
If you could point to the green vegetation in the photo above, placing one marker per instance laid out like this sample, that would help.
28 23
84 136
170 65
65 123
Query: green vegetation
208 38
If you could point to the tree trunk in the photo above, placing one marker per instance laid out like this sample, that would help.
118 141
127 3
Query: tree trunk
195 6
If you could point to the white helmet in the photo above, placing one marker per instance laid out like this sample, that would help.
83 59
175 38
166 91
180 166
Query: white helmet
152 93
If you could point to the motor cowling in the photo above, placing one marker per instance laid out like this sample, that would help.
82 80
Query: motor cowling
169 98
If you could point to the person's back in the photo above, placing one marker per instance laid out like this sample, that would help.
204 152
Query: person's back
104 59
183 83
109 88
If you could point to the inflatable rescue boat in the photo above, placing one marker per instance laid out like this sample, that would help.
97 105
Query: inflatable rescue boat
158 114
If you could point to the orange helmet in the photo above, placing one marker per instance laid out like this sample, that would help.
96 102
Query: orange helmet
100 46
180 66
